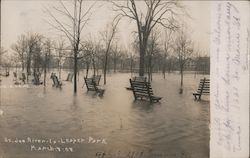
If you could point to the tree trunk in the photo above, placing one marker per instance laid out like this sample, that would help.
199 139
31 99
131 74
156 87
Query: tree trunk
93 62
87 69
105 67
28 68
164 66
59 69
141 64
22 65
181 78
44 75
131 66
181 89
114 65
75 71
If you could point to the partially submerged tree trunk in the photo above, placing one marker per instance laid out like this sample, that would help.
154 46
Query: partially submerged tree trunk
108 36
184 49
181 72
45 70
105 64
75 71
164 65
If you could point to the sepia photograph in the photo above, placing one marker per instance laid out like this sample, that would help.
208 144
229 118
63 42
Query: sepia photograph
105 79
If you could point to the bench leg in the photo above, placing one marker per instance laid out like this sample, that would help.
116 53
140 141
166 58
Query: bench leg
195 98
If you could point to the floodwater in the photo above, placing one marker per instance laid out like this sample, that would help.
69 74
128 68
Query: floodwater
176 127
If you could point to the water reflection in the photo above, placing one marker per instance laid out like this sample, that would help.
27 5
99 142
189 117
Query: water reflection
146 106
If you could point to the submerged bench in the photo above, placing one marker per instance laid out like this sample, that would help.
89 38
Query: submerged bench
23 77
137 78
70 77
36 79
143 90
56 82
97 79
92 86
203 89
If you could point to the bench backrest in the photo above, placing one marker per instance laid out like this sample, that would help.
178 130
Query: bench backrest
204 86
70 77
141 88
55 80
140 78
97 79
90 83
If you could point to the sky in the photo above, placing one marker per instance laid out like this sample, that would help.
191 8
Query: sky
19 17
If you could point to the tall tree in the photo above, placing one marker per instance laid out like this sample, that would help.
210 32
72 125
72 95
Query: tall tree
34 42
20 47
88 49
61 52
72 27
108 37
48 44
147 14
167 44
152 50
184 50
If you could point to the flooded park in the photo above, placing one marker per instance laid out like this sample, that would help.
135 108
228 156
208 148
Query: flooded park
177 126
104 79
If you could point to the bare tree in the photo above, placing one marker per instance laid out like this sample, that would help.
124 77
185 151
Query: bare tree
48 44
167 44
60 51
73 26
20 48
108 37
152 50
155 12
97 50
116 54
184 50
29 49
5 59
88 49
33 41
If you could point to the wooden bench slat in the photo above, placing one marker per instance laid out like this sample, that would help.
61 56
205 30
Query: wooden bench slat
55 80
203 88
92 86
143 90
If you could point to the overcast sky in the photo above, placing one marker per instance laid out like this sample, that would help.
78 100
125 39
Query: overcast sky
21 16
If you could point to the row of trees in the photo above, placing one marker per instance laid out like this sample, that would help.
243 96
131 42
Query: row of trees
153 13
172 51
38 52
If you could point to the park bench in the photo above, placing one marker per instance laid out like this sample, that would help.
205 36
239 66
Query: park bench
92 86
203 89
15 76
143 90
36 79
23 77
69 77
56 82
137 78
16 82
97 79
